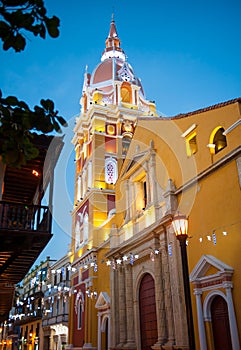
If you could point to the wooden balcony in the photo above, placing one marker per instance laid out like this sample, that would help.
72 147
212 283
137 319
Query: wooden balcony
25 230
34 218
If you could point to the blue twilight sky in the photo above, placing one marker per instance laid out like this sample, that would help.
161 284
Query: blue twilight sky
187 54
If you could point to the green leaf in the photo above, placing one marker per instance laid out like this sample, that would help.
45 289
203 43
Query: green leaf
47 104
11 101
52 25
62 121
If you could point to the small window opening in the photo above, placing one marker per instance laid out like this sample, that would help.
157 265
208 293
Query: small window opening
191 144
219 140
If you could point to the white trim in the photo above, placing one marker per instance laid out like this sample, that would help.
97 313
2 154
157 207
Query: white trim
189 130
203 265
207 303
233 126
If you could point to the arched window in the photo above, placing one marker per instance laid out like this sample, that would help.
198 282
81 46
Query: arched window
110 170
217 140
86 227
77 233
80 314
126 93
79 309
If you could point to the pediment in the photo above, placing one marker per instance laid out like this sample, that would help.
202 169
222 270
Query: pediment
103 301
209 267
135 163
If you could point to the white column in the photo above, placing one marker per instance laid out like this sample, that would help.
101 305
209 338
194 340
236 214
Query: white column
232 318
109 333
122 306
201 327
119 94
129 308
99 331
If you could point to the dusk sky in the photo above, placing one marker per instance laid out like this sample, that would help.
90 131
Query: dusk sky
186 53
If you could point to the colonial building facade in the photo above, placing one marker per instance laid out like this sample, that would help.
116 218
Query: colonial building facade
134 172
191 165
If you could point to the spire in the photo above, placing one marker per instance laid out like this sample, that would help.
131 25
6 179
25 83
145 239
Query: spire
112 44
113 31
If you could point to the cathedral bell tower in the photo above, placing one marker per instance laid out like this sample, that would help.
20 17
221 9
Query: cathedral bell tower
111 102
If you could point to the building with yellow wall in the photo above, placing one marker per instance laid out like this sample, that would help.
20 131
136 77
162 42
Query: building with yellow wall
134 172
188 164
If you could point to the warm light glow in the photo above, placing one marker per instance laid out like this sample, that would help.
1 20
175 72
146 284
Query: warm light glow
180 225
35 173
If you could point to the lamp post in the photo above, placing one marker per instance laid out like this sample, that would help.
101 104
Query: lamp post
180 226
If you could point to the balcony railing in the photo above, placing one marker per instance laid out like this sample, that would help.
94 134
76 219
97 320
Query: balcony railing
50 320
23 217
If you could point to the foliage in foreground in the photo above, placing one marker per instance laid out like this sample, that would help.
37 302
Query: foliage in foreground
17 120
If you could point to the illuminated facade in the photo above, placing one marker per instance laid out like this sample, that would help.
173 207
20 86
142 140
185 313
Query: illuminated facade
112 100
191 164
134 171
56 305
25 321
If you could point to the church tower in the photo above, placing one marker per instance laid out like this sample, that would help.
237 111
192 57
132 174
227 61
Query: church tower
112 100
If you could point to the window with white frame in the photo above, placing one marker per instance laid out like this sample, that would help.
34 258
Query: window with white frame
79 188
110 170
80 314
89 174
86 227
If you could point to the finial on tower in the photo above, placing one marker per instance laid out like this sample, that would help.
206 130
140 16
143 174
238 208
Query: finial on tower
112 44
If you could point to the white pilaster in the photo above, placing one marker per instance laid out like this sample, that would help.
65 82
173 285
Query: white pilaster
232 318
201 327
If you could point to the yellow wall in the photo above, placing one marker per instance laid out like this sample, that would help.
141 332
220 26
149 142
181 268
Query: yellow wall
213 203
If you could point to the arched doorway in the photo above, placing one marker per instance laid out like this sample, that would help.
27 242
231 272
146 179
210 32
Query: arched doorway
220 324
147 305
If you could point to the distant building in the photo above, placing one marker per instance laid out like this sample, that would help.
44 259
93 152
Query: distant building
26 317
56 305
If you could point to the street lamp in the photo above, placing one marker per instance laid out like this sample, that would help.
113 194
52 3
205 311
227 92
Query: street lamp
180 226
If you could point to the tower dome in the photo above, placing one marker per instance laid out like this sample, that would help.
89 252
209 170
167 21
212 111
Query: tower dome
113 81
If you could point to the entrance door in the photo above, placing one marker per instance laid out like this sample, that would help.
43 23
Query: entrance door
147 304
220 324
